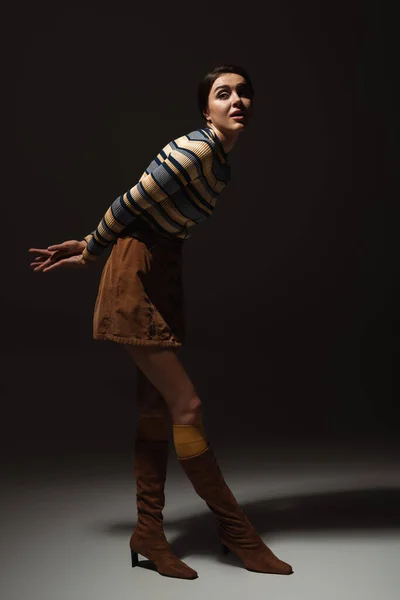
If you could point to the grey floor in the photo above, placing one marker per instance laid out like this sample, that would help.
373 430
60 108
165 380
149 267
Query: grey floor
331 510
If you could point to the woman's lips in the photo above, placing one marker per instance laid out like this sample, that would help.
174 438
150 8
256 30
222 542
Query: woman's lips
241 116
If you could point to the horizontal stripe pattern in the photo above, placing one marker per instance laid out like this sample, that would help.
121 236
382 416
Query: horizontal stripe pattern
178 190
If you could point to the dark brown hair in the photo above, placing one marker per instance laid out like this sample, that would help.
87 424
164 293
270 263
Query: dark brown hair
206 84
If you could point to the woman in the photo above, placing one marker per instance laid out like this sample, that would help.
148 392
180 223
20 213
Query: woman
140 305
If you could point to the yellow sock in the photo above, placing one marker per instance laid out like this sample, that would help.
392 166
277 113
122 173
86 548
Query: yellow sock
152 428
189 440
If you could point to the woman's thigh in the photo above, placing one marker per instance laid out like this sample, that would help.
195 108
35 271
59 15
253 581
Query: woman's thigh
166 373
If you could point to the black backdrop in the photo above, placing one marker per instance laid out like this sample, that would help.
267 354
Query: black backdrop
288 316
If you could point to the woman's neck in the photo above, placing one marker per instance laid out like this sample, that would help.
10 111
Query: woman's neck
227 140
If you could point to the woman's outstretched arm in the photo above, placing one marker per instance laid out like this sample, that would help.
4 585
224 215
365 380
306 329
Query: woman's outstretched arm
180 167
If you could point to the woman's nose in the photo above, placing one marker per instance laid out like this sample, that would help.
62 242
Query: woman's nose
237 100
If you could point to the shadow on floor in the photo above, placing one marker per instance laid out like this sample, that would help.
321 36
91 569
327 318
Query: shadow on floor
358 510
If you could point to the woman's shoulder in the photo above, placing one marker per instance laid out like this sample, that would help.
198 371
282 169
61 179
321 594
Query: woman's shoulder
196 145
194 137
198 142
204 141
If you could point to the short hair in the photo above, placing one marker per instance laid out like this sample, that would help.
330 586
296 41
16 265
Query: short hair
203 90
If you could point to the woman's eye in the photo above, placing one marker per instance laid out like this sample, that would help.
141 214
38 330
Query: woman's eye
223 95
244 92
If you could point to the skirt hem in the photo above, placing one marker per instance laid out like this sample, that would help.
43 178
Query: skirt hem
135 341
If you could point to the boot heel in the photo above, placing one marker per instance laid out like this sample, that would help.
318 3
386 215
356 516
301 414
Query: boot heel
134 557
225 549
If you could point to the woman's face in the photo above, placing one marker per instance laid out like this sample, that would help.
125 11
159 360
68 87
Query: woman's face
229 94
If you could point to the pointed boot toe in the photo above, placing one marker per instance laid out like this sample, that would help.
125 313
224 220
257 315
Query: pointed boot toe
259 558
266 564
157 549
177 569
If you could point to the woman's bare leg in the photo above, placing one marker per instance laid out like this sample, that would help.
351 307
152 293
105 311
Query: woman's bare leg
150 402
154 419
166 373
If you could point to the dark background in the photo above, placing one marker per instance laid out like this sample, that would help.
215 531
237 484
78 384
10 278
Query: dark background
289 316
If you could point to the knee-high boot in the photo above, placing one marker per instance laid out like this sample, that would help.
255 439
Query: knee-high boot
148 539
236 533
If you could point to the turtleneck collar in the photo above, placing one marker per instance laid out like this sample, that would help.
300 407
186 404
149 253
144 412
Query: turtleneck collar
218 142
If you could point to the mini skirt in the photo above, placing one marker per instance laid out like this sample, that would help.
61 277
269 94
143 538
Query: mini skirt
140 299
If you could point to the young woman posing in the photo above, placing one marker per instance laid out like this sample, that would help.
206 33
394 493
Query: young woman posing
140 305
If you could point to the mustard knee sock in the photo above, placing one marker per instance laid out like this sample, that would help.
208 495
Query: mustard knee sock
152 428
189 440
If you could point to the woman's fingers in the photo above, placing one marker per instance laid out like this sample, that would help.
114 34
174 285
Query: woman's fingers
58 251
41 266
71 246
42 263
55 265
40 251
54 257
71 261
67 254
57 247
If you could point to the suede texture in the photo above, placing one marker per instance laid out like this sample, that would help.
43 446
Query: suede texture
148 539
140 299
236 533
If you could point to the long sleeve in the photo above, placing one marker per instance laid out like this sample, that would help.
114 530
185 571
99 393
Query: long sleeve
180 168
88 237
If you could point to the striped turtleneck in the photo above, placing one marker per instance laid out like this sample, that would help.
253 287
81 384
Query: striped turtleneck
178 190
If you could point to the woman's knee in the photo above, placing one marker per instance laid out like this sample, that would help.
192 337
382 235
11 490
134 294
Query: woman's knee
189 411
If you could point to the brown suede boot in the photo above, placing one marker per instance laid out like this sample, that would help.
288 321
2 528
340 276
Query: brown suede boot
148 539
235 531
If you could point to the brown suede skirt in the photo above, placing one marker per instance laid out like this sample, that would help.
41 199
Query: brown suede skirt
140 299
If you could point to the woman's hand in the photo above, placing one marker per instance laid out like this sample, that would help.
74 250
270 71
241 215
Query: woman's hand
67 254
